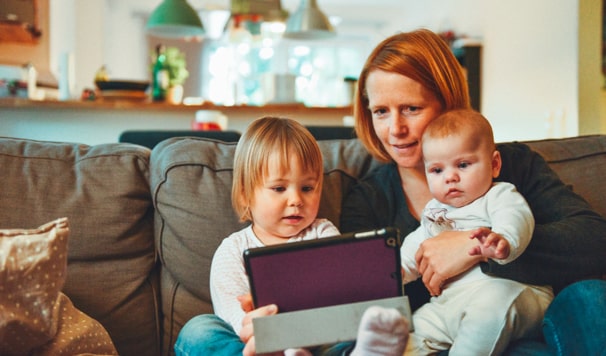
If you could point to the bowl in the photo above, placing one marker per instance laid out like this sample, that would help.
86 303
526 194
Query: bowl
130 85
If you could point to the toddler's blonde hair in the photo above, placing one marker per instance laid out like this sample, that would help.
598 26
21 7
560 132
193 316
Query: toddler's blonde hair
265 137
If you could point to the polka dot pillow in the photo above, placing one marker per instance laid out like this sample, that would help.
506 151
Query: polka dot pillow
34 314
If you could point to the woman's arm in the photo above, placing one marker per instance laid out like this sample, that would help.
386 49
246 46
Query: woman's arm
445 256
569 240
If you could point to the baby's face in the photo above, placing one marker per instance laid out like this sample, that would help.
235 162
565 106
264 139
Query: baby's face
458 170
286 203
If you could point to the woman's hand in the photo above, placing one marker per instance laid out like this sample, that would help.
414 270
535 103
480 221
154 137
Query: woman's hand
444 256
247 332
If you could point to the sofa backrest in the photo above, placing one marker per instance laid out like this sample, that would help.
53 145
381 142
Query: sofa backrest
118 198
580 162
104 192
191 187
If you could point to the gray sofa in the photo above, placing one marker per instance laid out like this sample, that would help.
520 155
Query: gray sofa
144 224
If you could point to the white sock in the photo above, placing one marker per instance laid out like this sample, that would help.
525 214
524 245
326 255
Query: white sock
382 331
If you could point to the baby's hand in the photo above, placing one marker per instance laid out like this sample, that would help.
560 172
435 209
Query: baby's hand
491 244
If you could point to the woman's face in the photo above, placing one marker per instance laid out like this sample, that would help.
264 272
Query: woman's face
401 108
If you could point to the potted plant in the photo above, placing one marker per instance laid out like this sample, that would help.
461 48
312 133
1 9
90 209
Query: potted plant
177 73
177 66
174 65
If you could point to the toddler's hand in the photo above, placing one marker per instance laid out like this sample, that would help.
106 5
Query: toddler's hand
247 333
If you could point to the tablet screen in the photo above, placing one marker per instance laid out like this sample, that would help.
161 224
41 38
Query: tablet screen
336 270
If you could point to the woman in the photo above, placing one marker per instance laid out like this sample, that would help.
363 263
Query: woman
407 81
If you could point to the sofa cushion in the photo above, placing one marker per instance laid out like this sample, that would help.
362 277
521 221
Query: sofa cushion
77 333
35 317
191 185
33 264
104 191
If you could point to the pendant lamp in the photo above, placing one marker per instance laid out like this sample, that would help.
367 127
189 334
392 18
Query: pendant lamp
174 19
308 22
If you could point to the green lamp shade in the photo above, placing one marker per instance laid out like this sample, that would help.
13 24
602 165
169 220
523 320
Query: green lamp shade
174 19
308 23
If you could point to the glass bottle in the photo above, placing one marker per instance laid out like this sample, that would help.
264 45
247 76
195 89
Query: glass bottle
160 75
30 76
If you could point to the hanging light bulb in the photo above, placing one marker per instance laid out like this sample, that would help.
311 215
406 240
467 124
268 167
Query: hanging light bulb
308 22
174 19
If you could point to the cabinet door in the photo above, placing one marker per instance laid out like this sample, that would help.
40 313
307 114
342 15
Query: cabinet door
19 21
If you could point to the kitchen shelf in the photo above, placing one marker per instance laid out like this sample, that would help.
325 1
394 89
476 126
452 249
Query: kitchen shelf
272 109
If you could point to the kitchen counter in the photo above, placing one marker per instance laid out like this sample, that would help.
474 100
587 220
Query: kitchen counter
101 121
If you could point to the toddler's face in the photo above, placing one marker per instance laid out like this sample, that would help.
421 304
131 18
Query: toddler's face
458 171
286 203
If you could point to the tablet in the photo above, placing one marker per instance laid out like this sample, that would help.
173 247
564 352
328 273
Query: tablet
348 268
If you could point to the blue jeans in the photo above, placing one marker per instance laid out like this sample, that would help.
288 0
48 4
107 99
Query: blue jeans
207 334
575 322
